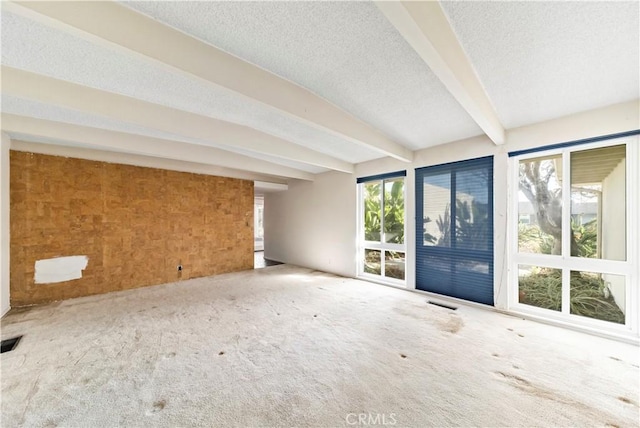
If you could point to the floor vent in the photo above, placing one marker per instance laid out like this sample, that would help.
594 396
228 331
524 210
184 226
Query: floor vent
10 344
442 305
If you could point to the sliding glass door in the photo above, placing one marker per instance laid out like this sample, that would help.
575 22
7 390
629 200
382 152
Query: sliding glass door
454 229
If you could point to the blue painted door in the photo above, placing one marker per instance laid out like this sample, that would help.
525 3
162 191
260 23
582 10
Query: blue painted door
454 229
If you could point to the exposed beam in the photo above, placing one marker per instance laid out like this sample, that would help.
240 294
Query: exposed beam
262 187
135 144
89 153
143 36
426 28
36 87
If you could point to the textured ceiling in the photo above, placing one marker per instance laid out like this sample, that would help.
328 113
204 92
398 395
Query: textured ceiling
542 60
31 46
346 52
23 107
536 61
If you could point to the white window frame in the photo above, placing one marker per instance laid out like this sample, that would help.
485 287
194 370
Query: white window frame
381 246
630 268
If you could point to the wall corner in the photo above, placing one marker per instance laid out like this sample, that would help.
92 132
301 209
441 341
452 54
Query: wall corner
4 225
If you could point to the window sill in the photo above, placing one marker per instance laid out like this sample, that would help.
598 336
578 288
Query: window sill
402 284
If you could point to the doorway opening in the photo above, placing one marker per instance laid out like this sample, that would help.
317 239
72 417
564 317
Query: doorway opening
258 235
258 223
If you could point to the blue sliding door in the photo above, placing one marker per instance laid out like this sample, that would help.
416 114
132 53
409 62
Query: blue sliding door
454 229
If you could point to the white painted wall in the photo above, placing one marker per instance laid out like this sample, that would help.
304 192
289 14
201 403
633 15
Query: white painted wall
59 269
314 224
614 230
4 225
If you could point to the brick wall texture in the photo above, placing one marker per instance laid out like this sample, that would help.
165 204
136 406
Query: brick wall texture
135 224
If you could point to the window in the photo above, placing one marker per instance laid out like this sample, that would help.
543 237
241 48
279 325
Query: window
571 255
382 227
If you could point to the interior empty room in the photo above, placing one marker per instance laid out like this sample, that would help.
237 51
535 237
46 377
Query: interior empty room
320 213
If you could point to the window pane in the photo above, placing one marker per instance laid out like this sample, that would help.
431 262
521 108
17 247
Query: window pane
472 209
540 205
372 262
437 210
394 211
540 287
599 296
394 264
372 211
598 203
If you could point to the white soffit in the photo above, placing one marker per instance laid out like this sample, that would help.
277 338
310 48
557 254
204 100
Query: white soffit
30 108
346 52
34 47
542 60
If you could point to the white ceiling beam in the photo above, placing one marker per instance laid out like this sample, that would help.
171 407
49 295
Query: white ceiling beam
136 33
88 153
44 89
262 187
426 28
136 144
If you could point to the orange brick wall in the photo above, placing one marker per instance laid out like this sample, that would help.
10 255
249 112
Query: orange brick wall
135 224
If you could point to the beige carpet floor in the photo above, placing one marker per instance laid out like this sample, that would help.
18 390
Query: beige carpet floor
286 346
